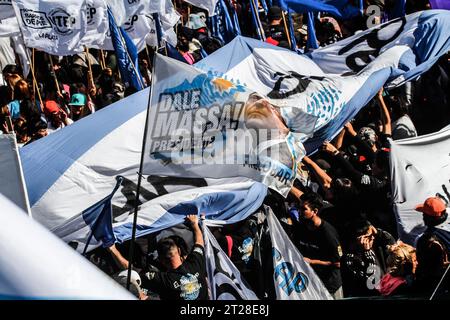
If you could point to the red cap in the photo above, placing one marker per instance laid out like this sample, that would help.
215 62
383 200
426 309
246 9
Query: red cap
272 41
51 107
433 207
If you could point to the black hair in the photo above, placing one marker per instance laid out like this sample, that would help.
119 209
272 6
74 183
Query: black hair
11 68
359 227
434 221
313 199
164 246
344 190
179 241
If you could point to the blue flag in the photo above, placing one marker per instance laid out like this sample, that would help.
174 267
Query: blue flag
127 55
173 53
99 218
339 8
222 25
312 39
291 31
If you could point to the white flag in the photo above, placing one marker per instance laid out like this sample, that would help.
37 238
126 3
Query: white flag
138 27
420 168
209 5
124 9
35 264
9 27
6 9
11 171
55 27
294 278
20 49
224 278
168 18
97 23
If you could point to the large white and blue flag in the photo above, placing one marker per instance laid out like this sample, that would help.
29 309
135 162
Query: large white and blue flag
294 278
335 82
35 264
93 227
76 162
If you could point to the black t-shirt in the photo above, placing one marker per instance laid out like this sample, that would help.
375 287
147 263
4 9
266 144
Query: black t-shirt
277 32
187 282
323 244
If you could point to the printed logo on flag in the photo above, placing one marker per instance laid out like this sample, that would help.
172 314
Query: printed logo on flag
58 19
63 22
35 19
288 279
90 14
129 25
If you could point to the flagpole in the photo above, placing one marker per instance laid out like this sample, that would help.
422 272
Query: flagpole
439 284
103 58
258 20
54 74
283 15
144 141
91 83
33 74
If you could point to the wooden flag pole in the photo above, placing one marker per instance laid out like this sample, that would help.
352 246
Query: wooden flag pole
35 83
54 75
258 20
90 75
103 58
286 28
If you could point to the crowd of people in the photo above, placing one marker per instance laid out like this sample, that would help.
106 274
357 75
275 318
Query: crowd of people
342 220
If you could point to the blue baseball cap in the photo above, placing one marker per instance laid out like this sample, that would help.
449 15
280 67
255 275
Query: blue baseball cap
78 99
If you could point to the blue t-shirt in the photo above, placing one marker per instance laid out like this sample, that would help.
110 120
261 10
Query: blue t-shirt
14 109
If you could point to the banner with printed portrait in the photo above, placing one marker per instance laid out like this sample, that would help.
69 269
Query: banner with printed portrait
55 27
207 126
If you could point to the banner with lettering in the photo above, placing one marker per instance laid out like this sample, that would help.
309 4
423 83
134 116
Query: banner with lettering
55 27
207 126
294 278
